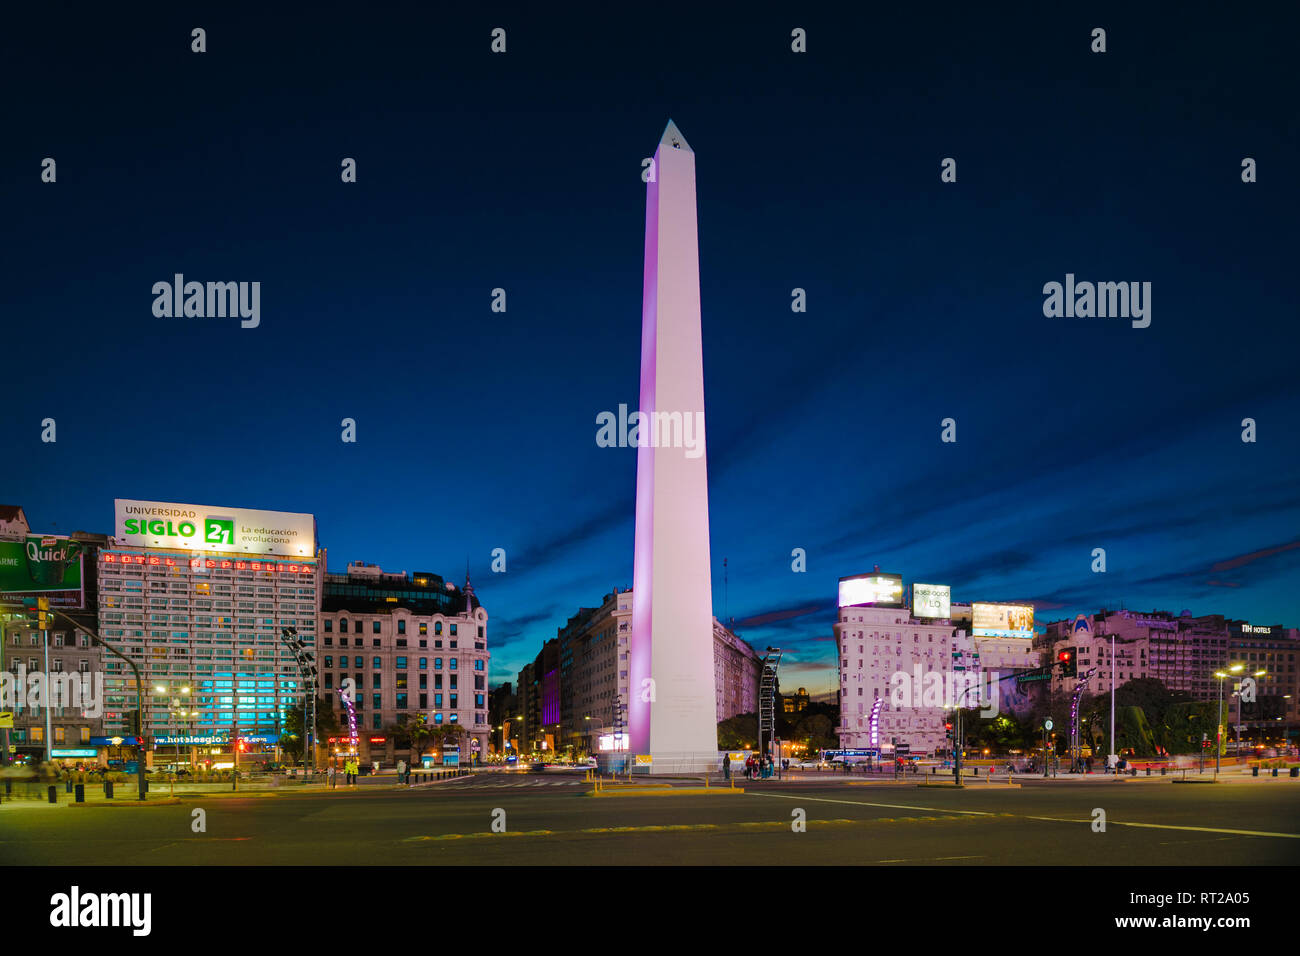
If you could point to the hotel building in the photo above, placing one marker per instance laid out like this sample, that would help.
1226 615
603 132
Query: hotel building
199 598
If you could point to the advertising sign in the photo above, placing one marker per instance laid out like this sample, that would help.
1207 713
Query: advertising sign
931 600
160 524
42 566
883 590
1002 620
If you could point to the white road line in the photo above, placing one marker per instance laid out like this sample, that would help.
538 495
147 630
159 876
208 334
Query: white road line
862 803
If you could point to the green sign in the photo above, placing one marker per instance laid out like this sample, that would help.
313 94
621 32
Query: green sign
42 565
56 752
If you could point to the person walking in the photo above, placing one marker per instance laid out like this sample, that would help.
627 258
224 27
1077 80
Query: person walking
726 766
330 773
401 771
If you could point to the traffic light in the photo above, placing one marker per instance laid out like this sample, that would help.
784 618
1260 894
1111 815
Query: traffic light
1069 662
42 614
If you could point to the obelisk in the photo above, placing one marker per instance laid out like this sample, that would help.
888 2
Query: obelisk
672 714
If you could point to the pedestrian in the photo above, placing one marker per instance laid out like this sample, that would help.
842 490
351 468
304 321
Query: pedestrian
330 773
401 771
726 766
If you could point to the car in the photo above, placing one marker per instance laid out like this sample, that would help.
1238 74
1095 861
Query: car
537 766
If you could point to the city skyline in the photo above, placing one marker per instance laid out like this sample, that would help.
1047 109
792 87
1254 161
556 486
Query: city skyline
476 430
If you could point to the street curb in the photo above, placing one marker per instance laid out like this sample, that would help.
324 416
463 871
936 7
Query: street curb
165 802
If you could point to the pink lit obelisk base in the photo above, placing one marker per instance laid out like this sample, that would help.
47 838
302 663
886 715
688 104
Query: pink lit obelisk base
672 714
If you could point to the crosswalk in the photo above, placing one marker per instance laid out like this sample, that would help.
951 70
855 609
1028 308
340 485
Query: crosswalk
479 783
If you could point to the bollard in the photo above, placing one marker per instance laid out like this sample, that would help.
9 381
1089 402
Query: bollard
1148 771
1295 771
1254 771
1133 771
1274 774
54 792
1162 771
81 793
108 789
67 785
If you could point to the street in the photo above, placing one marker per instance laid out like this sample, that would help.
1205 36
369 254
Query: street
554 820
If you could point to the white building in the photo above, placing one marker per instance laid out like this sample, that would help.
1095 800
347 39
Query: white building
874 644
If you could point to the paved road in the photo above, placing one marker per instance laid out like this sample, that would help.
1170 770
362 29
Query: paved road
552 821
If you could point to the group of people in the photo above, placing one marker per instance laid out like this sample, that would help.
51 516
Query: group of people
757 765
351 768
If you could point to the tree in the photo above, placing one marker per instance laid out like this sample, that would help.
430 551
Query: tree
292 741
739 732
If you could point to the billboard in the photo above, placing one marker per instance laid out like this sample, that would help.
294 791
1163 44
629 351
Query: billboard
931 600
1002 620
160 524
42 566
885 590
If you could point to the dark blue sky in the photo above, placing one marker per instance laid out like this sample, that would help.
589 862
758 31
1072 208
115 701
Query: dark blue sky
522 171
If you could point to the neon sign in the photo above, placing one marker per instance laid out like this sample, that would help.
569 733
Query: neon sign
196 564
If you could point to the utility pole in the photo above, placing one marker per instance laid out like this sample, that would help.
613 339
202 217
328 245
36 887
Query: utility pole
1112 760
42 611
139 694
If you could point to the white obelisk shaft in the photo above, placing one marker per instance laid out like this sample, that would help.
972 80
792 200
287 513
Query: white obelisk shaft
672 711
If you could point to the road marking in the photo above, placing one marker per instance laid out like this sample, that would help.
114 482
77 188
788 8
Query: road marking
861 803
984 813
931 859
1171 826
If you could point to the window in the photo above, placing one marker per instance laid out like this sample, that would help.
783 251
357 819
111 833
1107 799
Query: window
374 626
452 663
377 698
453 630
374 642
378 663
401 663
424 628
401 702
375 682
343 625
329 662
437 702
424 663
437 627
329 626
437 663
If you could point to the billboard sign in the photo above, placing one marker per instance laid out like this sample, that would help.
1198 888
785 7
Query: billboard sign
931 600
160 524
884 590
42 566
1002 620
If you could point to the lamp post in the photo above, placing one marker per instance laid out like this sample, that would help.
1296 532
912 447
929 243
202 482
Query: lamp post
139 695
1218 731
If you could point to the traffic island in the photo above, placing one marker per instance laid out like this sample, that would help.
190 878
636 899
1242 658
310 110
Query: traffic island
603 789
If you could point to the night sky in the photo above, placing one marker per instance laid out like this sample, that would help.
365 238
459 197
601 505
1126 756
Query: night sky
476 430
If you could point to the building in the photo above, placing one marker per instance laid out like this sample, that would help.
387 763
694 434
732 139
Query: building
1274 714
585 669
875 643
13 523
906 664
61 660
413 644
736 670
504 718
794 704
199 599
